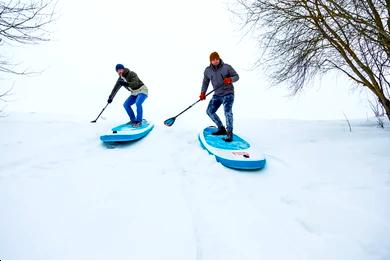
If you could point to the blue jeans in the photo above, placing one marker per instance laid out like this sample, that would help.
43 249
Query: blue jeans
214 105
138 100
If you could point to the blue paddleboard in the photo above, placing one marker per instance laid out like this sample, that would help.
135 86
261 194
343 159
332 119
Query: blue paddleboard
126 132
238 154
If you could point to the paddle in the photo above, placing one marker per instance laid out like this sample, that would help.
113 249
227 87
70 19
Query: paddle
169 122
94 121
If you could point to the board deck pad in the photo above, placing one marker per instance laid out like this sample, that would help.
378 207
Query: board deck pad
127 126
216 141
238 154
127 132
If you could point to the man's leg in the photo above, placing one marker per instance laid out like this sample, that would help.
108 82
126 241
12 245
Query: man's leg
130 101
214 105
228 106
140 99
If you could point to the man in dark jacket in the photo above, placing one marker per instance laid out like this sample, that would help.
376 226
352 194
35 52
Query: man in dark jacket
222 76
139 92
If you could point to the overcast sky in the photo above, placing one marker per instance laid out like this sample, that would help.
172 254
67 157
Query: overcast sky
167 43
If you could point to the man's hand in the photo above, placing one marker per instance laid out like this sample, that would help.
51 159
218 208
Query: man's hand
202 96
228 80
121 82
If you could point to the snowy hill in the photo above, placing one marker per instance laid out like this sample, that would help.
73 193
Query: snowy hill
325 192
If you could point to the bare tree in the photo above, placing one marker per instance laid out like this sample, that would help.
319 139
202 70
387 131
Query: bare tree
3 100
378 111
304 38
22 22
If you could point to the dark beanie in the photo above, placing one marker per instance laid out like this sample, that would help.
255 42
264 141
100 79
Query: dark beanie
119 66
214 55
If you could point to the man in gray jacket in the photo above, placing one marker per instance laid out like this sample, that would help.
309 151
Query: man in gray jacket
222 76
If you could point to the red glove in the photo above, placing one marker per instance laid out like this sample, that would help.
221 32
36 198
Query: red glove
228 80
202 96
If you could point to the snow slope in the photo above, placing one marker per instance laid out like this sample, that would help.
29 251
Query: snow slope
325 192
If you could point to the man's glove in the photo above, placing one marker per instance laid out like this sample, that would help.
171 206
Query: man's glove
109 100
121 82
228 80
202 96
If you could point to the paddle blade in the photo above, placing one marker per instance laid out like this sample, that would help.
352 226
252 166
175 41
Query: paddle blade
170 121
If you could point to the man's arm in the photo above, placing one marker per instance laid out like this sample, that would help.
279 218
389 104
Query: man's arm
114 91
206 81
233 74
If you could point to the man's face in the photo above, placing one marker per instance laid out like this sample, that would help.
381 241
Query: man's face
120 71
215 62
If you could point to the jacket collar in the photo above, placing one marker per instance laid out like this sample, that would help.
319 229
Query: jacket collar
215 68
126 72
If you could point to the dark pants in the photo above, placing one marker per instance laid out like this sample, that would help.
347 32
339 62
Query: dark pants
214 105
138 100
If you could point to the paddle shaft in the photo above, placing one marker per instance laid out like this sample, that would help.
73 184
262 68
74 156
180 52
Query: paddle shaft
189 107
100 113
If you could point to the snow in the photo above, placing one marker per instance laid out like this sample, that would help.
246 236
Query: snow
63 194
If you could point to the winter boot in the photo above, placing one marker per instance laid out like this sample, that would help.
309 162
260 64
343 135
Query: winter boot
136 124
229 137
220 131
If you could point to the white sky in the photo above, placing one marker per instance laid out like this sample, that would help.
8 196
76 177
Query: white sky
167 43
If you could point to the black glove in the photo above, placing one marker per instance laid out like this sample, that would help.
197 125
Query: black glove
123 83
109 100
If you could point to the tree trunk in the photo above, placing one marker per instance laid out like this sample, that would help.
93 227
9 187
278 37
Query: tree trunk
384 101
386 105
